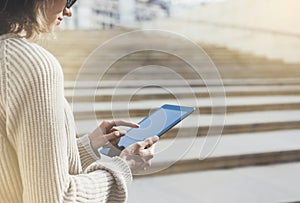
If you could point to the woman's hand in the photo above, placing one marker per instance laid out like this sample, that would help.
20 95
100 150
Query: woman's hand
106 134
139 155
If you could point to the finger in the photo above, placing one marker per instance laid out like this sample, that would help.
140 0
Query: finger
147 143
122 132
125 123
139 146
152 148
106 126
113 135
146 154
115 141
114 129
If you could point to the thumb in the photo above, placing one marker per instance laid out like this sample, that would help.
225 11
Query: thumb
155 139
147 143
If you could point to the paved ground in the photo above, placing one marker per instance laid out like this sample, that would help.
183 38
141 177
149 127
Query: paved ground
265 184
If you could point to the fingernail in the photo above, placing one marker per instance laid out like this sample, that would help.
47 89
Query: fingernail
155 138
117 133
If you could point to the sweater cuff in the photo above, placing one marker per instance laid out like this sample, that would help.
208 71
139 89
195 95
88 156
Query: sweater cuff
116 166
87 154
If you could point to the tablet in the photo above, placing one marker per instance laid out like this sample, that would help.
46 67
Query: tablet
157 123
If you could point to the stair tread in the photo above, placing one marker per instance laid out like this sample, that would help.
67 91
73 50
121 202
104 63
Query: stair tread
230 145
195 121
201 102
196 82
175 90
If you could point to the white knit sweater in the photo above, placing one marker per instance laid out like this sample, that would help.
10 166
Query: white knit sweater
41 160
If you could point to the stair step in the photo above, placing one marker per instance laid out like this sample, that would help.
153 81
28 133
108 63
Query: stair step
167 93
184 154
82 110
92 84
234 123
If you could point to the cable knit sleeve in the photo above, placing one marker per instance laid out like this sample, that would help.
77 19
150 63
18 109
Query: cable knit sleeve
87 154
35 99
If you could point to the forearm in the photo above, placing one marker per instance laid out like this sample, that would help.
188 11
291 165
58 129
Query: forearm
103 180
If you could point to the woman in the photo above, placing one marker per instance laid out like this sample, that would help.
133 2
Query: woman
41 161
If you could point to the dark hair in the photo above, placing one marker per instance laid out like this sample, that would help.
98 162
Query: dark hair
20 15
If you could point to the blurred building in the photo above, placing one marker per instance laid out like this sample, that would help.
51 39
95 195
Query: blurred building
103 14
268 28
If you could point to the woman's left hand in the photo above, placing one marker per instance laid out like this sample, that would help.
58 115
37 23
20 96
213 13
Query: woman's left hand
139 155
106 134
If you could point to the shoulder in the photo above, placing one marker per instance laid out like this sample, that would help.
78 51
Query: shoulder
30 57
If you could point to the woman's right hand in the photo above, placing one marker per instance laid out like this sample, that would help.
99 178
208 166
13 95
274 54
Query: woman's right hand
106 134
139 155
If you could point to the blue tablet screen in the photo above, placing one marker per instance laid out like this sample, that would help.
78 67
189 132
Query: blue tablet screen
156 123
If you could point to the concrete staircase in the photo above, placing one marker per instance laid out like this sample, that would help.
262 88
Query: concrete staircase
262 122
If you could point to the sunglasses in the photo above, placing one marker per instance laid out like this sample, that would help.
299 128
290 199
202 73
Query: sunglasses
70 3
